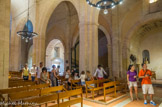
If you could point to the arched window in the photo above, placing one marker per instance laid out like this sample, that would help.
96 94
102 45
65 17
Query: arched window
146 56
28 26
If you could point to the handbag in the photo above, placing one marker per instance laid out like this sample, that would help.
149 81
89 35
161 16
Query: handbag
140 79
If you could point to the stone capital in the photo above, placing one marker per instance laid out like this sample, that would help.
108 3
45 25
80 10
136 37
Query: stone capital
88 24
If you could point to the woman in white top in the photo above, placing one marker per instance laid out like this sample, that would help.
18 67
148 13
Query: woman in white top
33 72
82 77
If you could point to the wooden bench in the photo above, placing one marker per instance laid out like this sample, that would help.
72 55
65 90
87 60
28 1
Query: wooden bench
70 94
42 100
120 86
32 87
18 96
40 92
96 86
22 83
26 88
109 88
76 84
15 74
52 90
57 97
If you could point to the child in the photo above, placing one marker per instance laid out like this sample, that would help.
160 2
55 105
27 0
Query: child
76 77
89 76
82 77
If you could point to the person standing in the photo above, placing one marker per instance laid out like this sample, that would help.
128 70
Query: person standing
57 73
100 73
33 72
25 72
131 80
82 78
52 77
147 87
39 70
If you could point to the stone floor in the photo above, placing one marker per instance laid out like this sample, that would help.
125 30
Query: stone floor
125 100
122 100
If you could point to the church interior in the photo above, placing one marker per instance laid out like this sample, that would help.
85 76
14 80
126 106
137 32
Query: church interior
59 53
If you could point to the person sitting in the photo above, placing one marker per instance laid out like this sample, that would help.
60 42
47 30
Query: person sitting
76 77
67 74
25 72
69 81
89 76
44 76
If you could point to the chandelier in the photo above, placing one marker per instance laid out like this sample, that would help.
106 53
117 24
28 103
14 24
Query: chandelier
26 33
104 4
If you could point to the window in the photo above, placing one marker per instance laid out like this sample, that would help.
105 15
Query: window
152 1
146 57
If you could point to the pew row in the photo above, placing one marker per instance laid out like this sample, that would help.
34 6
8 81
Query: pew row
95 85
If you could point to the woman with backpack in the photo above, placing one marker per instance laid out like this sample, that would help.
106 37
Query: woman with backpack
132 81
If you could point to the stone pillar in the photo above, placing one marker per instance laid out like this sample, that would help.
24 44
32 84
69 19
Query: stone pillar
88 52
39 50
115 43
110 59
4 42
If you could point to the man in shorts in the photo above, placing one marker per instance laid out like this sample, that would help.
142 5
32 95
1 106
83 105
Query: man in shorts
147 87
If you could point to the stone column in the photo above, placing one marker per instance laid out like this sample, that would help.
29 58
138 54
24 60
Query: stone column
115 43
110 59
88 52
4 42
39 50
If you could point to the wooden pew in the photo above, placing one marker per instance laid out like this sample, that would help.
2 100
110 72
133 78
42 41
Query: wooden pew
57 97
42 100
109 88
76 84
22 83
20 89
15 74
52 90
40 86
103 81
70 94
18 96
93 88
120 86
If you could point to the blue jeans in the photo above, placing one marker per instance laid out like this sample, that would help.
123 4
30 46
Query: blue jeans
25 77
82 83
33 78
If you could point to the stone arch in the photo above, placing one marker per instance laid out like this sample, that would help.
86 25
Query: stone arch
55 54
136 26
109 46
149 20
47 14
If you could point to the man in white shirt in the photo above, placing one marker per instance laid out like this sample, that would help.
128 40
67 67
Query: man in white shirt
39 70
100 72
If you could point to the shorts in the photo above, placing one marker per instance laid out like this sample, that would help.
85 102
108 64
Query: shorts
147 88
132 84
